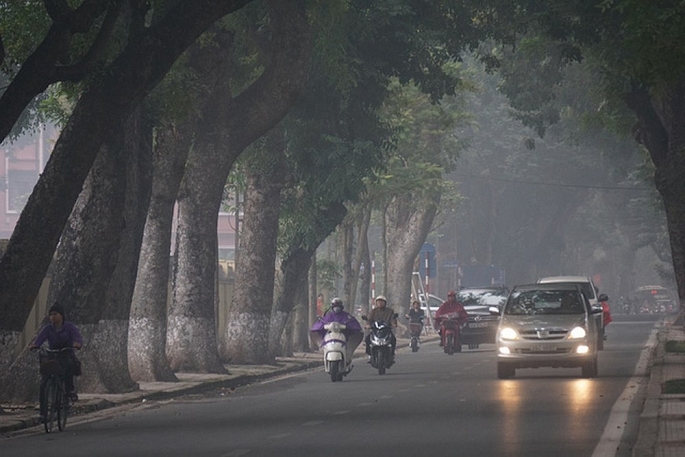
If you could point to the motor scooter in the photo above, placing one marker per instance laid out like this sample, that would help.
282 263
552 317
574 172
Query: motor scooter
450 326
415 329
334 345
382 357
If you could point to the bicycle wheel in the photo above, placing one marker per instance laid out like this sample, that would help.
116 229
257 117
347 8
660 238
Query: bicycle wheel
50 404
62 406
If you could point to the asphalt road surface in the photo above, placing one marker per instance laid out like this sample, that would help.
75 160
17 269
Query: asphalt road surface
429 403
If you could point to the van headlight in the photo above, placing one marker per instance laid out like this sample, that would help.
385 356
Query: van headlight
508 333
577 333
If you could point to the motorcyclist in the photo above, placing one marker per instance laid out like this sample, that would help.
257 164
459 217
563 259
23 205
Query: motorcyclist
416 315
353 330
381 312
450 306
606 312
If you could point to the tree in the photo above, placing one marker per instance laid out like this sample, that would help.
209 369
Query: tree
639 50
413 184
231 125
105 103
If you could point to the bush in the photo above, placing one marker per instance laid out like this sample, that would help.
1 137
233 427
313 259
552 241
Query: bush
675 346
674 386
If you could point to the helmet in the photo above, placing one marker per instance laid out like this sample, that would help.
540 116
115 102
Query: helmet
452 294
603 297
337 302
382 297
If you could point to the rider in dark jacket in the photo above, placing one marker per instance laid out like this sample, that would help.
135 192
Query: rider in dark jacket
381 312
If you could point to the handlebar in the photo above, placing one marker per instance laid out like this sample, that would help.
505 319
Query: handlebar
51 351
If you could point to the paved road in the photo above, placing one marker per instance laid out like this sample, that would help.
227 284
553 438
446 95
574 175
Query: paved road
428 403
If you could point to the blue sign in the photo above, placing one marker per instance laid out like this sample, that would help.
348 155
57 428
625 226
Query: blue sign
427 253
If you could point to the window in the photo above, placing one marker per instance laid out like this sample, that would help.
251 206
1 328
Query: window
20 184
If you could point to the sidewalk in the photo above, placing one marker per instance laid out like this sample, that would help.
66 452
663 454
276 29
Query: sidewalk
22 417
662 423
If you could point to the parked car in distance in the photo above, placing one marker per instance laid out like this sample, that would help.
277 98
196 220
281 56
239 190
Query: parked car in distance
590 291
547 325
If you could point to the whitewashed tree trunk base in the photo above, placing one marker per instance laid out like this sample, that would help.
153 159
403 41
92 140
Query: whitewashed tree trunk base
146 355
191 345
247 338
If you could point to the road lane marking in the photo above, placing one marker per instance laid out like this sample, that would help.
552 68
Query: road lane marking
613 431
311 423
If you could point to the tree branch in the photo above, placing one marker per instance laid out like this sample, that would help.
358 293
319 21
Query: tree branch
650 131
79 70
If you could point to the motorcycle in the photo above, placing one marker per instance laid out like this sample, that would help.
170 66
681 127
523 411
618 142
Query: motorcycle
334 345
415 329
382 357
450 326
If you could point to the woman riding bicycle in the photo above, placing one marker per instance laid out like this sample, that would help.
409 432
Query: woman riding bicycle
60 334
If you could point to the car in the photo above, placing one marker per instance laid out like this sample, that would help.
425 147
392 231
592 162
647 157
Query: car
483 306
547 325
483 296
654 299
590 291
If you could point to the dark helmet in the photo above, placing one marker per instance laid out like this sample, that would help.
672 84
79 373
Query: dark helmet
603 297
337 303
58 308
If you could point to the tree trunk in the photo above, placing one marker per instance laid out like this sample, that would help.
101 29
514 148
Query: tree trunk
313 294
91 275
232 124
362 258
407 231
132 76
347 234
191 329
147 327
294 271
663 134
248 333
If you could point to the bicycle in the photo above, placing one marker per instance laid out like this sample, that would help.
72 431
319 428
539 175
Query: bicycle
55 401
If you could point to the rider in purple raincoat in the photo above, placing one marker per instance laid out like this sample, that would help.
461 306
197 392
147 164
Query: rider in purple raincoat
353 330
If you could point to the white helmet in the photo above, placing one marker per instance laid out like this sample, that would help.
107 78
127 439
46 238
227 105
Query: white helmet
337 303
382 297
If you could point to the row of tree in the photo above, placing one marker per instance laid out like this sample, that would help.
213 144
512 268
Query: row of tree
158 105
322 102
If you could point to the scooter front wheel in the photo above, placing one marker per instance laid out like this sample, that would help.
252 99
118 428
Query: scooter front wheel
449 344
382 362
335 370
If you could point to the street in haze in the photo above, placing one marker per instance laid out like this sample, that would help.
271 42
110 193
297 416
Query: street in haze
428 403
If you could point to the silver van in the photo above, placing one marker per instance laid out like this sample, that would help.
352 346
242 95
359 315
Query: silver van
547 325
590 291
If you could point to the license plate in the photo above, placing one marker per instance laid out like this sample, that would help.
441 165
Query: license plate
543 347
478 324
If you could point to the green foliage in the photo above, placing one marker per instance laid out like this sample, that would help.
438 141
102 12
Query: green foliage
675 346
674 386
328 273
645 40
22 25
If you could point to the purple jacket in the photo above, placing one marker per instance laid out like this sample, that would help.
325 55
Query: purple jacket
352 324
58 339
